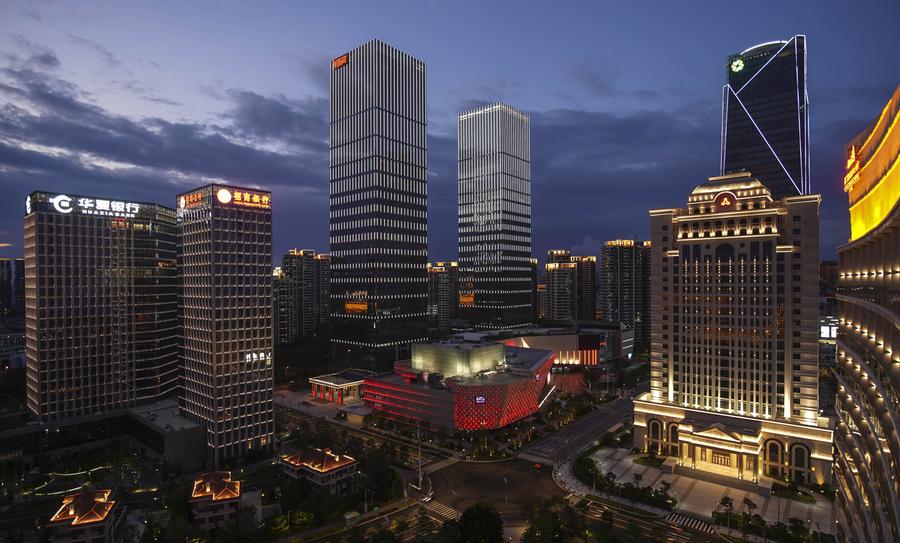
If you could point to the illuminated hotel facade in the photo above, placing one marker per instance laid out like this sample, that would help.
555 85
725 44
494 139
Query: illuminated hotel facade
765 116
225 313
867 445
101 305
495 217
378 205
734 335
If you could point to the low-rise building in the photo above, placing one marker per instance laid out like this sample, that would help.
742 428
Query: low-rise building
342 387
323 469
87 517
215 500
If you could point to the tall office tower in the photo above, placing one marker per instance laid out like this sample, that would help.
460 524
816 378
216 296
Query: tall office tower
309 272
495 215
765 116
586 292
625 287
379 189
286 313
443 296
734 335
867 446
225 312
101 304
535 281
323 291
571 286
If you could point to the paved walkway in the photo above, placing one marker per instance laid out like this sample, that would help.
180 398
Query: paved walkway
698 493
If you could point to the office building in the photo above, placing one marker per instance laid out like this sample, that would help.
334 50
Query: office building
302 296
285 310
867 446
625 287
443 296
225 312
378 187
535 281
100 305
495 216
12 294
765 116
734 336
542 305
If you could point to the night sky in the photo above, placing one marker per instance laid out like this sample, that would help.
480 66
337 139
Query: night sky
143 101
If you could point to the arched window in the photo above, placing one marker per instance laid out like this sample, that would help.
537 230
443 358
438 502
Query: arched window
800 471
774 462
673 440
654 430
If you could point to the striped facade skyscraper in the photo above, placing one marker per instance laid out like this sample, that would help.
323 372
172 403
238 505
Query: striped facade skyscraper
378 203
765 116
495 217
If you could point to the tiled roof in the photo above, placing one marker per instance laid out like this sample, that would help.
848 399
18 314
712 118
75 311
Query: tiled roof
85 507
217 485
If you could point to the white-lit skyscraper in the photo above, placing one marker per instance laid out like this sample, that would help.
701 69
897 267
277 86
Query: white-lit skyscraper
495 217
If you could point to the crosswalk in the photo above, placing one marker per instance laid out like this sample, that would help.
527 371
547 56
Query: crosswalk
693 523
440 464
442 510
536 458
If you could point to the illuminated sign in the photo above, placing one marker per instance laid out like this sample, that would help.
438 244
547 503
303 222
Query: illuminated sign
725 201
737 65
65 204
479 399
357 302
258 356
466 299
340 61
244 198
188 201
27 205
852 175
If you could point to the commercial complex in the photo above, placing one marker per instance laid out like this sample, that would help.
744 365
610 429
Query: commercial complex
495 217
571 286
765 116
225 313
734 335
101 308
443 296
302 294
378 204
867 446
625 287
463 384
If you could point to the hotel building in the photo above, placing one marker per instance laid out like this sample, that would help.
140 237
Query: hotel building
867 445
765 116
101 306
495 217
625 287
225 312
734 335
379 191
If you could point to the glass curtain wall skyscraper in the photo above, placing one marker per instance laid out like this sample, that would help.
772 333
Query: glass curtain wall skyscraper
765 116
378 203
495 217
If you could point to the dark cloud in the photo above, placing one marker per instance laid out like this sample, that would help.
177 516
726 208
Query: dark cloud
302 123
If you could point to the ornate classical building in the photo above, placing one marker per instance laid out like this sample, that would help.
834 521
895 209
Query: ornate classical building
867 445
734 335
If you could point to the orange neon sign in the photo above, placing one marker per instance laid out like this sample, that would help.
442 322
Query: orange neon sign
191 200
340 61
466 299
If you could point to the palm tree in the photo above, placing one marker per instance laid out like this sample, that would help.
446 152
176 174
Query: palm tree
728 504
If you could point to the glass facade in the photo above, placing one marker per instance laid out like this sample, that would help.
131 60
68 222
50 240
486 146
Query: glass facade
378 205
100 290
765 116
225 315
495 217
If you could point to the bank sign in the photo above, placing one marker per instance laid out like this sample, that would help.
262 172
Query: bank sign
82 205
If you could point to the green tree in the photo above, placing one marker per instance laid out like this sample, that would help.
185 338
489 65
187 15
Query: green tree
728 504
481 523
449 533
384 535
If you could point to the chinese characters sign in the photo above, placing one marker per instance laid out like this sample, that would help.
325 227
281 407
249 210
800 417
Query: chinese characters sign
340 61
62 203
244 198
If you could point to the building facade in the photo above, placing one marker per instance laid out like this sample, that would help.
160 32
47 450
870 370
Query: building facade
443 296
101 306
225 313
379 189
323 469
87 517
571 286
495 217
302 299
765 116
215 501
625 287
12 294
734 335
867 446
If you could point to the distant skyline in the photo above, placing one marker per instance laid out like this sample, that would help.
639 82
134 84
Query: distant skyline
144 101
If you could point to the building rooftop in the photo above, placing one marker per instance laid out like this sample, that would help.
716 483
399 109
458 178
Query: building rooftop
343 377
318 460
84 508
216 485
164 414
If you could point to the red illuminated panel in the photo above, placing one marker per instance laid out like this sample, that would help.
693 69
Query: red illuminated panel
340 62
356 307
191 200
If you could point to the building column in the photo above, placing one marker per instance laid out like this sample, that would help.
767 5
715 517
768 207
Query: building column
340 396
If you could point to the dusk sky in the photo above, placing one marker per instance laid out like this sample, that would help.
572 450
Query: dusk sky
143 101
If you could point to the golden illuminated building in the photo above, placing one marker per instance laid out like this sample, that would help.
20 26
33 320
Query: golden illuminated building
215 500
87 517
734 336
324 469
867 446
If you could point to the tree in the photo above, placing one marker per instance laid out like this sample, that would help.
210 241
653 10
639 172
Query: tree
728 504
383 535
481 523
637 479
449 533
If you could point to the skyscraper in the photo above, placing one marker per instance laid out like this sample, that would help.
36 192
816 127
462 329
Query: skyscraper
571 286
101 304
225 312
734 335
443 296
495 216
765 116
867 446
378 186
625 287
304 276
286 313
